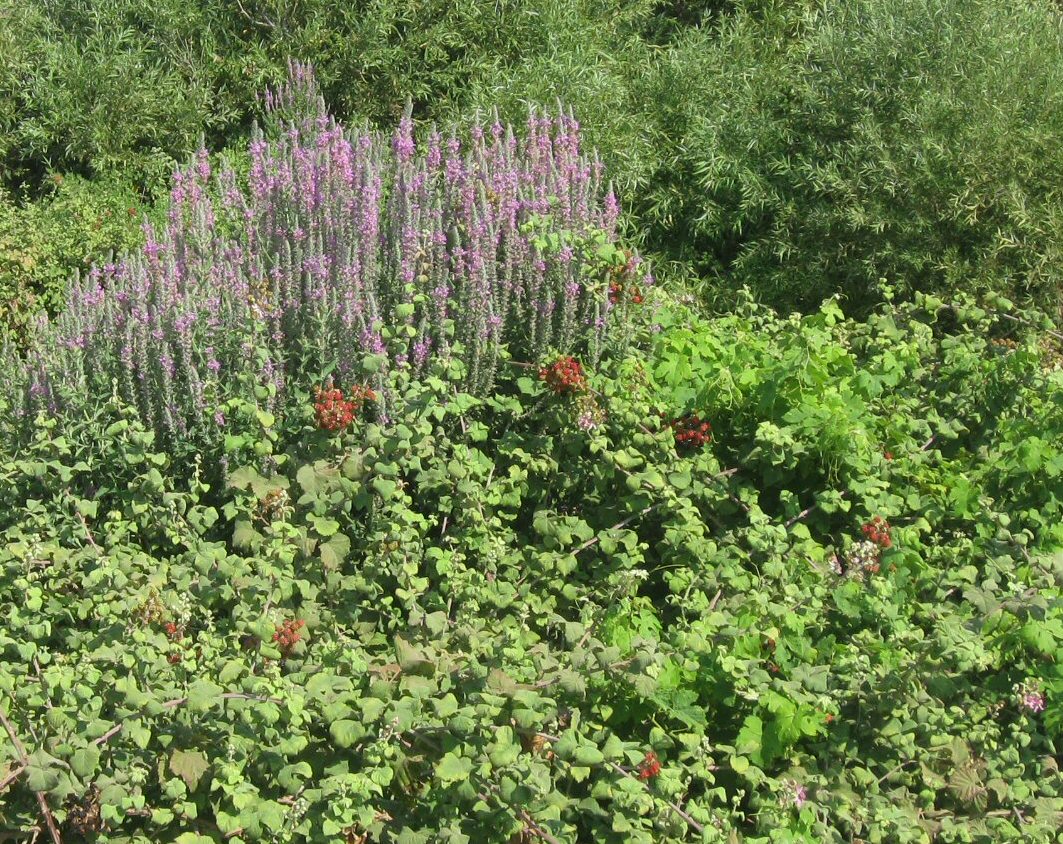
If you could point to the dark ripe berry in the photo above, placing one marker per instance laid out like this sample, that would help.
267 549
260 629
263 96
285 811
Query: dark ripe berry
173 659
691 432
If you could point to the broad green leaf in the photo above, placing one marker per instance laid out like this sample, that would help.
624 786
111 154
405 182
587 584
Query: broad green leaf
189 765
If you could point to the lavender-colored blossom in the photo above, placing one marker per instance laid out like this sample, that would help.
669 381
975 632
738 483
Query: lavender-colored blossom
336 239
1030 697
795 795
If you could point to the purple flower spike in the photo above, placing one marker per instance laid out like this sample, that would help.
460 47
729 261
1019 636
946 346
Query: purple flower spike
336 244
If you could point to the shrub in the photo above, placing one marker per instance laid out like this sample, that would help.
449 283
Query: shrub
477 620
809 150
346 250
129 85
43 244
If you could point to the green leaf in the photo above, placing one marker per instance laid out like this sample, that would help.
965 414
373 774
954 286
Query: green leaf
334 552
453 768
41 777
750 737
324 525
244 535
189 766
203 694
384 487
345 732
84 762
587 756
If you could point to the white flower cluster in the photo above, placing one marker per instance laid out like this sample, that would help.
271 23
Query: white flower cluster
862 559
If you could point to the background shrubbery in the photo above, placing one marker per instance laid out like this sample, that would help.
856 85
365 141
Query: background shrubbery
800 149
819 150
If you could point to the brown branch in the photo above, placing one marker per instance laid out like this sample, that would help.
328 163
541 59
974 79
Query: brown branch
20 749
535 828
621 524
806 512
88 533
697 827
11 777
894 770
525 816
1029 324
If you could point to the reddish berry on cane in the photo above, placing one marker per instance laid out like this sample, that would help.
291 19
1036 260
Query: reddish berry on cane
650 766
288 634
877 531
691 432
564 376
334 411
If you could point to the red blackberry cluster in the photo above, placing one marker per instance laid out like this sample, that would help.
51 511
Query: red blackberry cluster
288 634
564 376
173 630
650 766
691 432
333 411
878 532
620 293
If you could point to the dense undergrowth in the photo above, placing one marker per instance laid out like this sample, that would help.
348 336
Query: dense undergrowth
551 613
374 491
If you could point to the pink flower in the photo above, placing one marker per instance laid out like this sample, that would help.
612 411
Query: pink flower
796 795
1030 697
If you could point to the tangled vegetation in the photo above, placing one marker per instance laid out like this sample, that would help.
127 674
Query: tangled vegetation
837 146
373 492
542 614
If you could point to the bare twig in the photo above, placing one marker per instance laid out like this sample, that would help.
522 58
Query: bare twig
20 749
11 777
1029 324
44 688
793 520
618 526
894 770
88 532
535 828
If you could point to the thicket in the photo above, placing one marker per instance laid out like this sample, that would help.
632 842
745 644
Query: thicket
835 148
380 495
766 580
